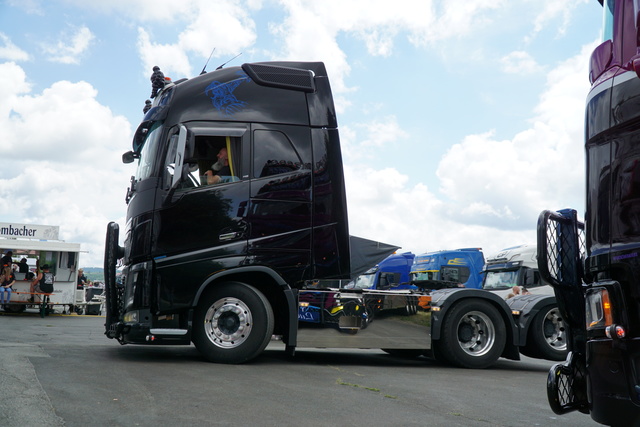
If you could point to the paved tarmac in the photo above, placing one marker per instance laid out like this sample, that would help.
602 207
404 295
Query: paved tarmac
63 371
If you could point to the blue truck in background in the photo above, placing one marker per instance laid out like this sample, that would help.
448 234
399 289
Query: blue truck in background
541 328
391 272
462 266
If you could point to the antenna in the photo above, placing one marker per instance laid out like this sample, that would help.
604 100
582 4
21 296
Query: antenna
220 67
206 63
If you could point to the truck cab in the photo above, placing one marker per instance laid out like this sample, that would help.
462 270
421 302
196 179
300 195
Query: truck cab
461 267
514 266
390 273
277 218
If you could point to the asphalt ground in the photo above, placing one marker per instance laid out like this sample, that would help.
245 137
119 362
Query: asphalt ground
62 371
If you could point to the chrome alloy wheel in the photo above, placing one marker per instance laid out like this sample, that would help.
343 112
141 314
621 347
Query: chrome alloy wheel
476 333
228 322
554 330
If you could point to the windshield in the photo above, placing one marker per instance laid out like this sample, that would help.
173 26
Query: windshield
500 279
364 281
148 153
424 275
607 20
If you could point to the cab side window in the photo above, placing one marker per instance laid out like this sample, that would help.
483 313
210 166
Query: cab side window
209 155
217 156
455 274
274 154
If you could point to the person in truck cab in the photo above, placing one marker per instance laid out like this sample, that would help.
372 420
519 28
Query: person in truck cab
219 168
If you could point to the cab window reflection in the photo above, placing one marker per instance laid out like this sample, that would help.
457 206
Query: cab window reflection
274 154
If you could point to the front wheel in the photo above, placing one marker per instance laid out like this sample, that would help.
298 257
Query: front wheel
473 335
233 323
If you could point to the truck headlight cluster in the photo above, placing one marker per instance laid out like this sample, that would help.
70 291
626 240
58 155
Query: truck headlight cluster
598 309
131 317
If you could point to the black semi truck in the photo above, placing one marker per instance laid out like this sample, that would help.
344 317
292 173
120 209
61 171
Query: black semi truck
261 250
595 266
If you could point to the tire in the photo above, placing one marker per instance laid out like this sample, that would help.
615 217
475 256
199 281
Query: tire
473 335
547 336
412 306
233 323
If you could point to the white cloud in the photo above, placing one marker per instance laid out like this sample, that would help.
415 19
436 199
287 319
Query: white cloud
383 207
552 11
520 62
541 167
70 47
171 59
163 11
29 6
61 151
491 191
360 142
310 29
11 52
15 84
382 132
228 28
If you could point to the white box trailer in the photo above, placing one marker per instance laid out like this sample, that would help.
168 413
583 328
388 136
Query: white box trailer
62 258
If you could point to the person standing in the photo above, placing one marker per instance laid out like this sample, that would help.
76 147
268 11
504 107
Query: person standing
82 279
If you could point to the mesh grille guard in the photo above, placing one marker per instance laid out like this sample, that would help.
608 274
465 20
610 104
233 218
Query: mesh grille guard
281 77
561 248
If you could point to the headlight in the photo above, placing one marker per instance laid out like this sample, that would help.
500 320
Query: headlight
598 309
131 317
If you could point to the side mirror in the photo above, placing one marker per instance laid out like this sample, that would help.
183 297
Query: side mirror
180 168
600 60
383 280
129 157
179 159
528 278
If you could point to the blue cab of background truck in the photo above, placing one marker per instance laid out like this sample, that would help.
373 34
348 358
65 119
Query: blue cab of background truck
390 273
398 270
461 265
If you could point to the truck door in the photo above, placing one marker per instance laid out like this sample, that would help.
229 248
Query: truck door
199 222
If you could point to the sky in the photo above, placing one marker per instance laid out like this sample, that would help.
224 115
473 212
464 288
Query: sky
460 120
